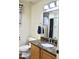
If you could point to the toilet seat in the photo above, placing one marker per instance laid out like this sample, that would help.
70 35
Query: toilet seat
24 48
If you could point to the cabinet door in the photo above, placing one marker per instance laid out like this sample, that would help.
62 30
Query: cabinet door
46 55
35 52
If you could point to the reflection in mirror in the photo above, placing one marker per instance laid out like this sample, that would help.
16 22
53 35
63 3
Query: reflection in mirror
50 20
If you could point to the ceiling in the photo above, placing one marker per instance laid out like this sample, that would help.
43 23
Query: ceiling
31 1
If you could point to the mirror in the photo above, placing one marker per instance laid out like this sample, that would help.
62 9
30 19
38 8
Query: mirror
51 20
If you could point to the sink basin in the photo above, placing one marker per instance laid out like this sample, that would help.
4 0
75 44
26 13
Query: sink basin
47 45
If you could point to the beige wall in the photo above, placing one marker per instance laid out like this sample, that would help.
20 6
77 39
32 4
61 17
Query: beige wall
37 16
24 28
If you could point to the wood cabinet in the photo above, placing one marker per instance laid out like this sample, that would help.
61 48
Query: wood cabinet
35 52
46 55
38 53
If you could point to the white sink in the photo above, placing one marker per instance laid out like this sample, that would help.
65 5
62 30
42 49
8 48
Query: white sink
47 45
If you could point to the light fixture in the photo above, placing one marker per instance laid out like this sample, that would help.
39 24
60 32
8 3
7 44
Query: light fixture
46 7
52 5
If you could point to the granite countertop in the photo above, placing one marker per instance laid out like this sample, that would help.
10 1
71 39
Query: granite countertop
51 50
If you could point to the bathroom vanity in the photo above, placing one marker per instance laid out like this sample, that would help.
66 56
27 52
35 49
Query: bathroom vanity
41 52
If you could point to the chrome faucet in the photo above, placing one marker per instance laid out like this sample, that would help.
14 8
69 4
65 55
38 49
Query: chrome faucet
53 41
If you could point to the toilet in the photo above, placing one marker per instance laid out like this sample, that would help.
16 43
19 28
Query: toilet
25 49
